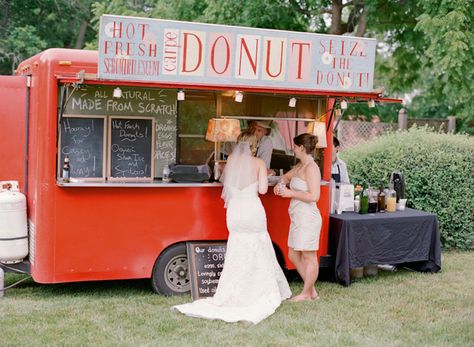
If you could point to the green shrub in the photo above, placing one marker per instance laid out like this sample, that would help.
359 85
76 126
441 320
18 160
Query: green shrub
439 176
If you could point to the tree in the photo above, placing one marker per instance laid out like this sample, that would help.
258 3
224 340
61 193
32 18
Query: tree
448 82
425 47
27 27
262 14
21 42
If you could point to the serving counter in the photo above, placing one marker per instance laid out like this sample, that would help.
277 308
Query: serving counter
155 184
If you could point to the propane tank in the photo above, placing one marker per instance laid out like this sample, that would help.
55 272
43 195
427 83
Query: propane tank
13 223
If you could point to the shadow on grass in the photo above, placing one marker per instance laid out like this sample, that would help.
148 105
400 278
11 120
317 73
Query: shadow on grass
136 287
118 288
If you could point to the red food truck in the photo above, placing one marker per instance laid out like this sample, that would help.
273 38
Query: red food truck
145 100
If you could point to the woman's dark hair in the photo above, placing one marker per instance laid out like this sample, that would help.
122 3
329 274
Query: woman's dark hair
335 141
307 140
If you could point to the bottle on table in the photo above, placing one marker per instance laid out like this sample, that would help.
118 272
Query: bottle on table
391 200
357 191
364 201
372 200
166 173
66 175
381 199
357 194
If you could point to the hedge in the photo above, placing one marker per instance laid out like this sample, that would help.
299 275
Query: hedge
439 176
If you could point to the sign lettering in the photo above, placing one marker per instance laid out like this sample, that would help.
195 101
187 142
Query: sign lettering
153 50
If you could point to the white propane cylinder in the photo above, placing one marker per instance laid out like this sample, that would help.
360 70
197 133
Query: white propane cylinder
13 223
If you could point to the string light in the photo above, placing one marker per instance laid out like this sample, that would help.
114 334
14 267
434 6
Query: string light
117 92
292 102
181 96
238 96
343 105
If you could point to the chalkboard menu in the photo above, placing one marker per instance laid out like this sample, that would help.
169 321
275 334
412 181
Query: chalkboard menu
161 104
131 148
205 262
82 139
165 145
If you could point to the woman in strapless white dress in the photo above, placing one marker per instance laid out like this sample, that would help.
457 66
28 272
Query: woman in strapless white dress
304 189
252 284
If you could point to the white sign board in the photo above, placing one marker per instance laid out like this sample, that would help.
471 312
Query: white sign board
185 53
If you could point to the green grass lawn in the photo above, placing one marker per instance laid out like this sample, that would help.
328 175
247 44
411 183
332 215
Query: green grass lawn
394 309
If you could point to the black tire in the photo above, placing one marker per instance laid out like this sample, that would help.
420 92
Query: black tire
170 274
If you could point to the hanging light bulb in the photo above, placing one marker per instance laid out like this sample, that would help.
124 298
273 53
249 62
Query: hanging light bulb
292 102
238 96
371 103
343 105
181 96
117 93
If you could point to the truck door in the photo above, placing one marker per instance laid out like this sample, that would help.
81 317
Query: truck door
13 128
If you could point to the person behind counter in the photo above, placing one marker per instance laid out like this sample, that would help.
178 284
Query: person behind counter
303 239
339 169
261 130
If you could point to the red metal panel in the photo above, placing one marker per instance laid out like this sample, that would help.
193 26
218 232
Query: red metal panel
13 92
117 233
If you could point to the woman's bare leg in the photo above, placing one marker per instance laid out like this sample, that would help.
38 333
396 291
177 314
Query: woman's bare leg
310 273
295 258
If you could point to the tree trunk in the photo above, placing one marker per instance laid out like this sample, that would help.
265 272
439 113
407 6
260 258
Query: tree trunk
81 35
336 20
362 24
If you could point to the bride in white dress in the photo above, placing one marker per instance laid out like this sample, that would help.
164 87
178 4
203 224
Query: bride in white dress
252 284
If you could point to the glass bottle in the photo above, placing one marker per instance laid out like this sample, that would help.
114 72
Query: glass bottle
166 173
381 199
357 192
372 200
364 201
66 170
391 200
281 185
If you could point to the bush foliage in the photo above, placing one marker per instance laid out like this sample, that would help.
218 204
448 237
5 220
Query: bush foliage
439 176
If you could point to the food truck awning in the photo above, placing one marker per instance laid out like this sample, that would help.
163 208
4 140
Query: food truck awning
90 78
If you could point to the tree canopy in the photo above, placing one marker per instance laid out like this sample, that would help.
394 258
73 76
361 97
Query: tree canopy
424 47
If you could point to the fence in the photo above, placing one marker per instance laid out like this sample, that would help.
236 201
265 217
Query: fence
351 133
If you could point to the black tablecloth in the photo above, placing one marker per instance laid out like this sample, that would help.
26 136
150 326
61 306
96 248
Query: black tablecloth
409 237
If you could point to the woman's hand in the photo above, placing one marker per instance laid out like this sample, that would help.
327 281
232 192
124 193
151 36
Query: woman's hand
284 192
276 190
271 172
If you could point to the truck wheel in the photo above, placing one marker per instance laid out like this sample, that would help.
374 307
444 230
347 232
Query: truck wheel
170 273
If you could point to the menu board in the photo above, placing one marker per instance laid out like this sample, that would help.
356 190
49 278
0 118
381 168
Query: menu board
131 148
165 144
161 104
206 262
82 139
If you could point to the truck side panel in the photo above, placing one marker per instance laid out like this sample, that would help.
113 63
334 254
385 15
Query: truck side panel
13 94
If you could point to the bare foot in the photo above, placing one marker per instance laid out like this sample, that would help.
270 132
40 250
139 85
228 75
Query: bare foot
300 297
314 295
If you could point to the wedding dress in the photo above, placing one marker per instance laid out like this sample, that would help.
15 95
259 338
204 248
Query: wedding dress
252 284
